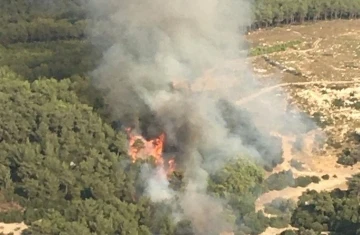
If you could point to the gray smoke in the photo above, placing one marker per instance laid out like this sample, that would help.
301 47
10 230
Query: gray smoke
148 44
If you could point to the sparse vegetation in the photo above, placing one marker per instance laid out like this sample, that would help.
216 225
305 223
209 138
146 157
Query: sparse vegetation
325 177
262 50
349 158
320 119
296 164
338 103
67 168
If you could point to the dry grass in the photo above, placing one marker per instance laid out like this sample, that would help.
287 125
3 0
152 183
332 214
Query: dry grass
330 50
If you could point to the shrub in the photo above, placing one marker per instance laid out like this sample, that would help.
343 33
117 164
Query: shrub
325 177
288 232
280 206
356 105
303 181
296 164
279 221
338 102
315 179
316 226
346 160
261 50
279 181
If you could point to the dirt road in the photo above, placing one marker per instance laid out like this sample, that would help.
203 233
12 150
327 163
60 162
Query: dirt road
271 88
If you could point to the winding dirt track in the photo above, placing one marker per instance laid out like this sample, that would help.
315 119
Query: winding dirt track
295 193
289 192
268 89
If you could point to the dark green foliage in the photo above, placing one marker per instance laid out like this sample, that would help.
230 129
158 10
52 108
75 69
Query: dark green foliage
50 59
260 50
280 206
24 21
349 157
42 29
70 172
338 103
43 23
67 167
64 165
315 179
329 211
273 13
354 185
303 181
279 181
284 179
346 160
288 232
240 184
325 177
356 105
281 221
12 216
254 223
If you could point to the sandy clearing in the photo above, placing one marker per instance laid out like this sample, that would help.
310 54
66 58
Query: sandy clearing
15 228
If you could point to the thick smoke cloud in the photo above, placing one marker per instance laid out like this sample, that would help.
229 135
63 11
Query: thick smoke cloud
148 44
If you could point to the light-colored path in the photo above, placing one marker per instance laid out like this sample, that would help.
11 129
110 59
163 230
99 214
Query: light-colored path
271 88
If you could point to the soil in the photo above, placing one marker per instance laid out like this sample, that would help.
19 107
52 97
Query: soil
329 53
15 228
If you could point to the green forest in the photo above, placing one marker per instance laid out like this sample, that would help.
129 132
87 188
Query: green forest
64 164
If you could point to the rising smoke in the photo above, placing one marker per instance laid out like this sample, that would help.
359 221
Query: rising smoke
148 44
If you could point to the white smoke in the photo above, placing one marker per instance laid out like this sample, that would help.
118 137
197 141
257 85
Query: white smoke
149 43
157 184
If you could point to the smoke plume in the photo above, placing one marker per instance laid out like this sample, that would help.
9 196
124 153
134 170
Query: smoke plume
148 44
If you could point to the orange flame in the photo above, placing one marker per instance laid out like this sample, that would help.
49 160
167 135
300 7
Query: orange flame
140 148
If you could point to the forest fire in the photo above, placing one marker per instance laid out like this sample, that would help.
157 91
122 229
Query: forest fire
140 148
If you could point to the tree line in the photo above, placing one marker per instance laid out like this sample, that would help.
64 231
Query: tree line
275 12
29 21
52 34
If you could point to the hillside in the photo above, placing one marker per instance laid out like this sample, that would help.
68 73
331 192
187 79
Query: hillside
81 156
326 86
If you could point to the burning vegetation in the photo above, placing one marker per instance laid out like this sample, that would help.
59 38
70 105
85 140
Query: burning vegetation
140 148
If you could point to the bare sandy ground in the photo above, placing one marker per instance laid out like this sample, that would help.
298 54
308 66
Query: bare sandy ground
15 228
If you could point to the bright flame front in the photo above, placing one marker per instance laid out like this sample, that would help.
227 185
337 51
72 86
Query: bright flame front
140 148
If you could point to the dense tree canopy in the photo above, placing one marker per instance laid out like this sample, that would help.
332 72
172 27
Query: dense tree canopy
70 172
38 20
275 12
67 168
336 211
53 36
